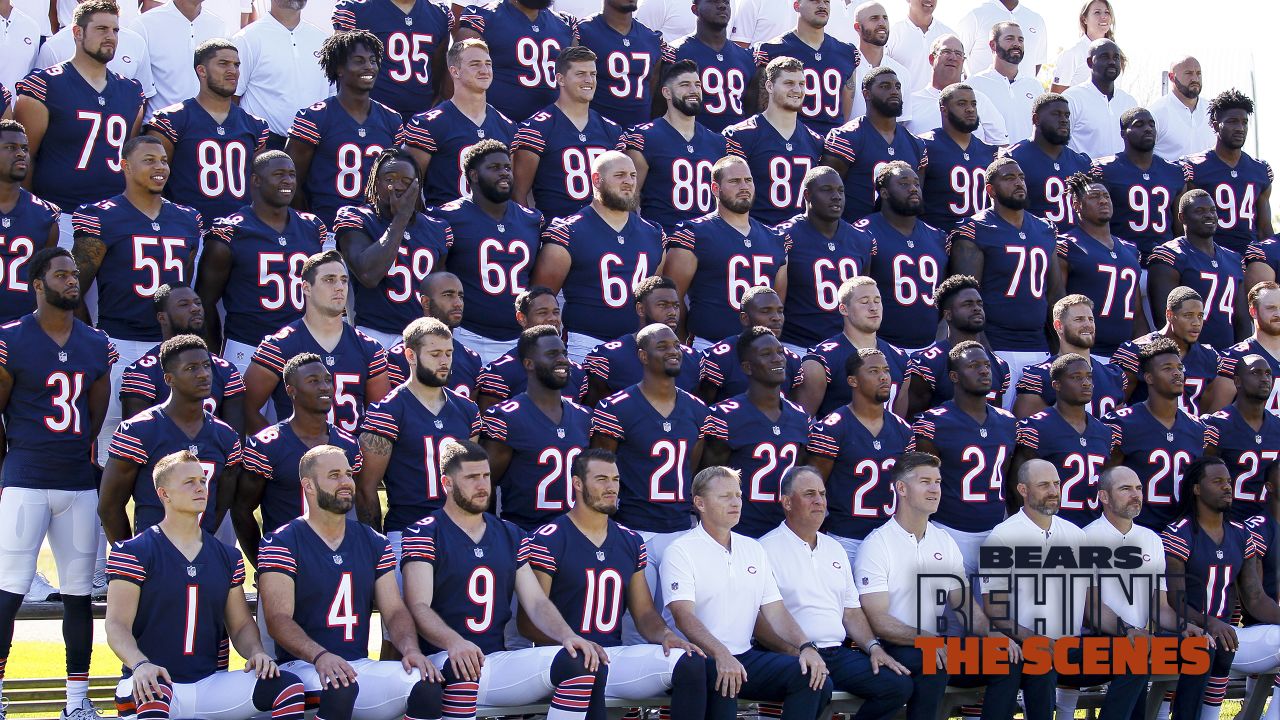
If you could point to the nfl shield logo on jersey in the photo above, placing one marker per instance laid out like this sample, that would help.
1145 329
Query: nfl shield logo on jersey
479 552
875 444
560 433
191 571
439 424
6 222
666 427
1168 436
1219 554
328 360
62 356
337 559
195 449
983 432
600 555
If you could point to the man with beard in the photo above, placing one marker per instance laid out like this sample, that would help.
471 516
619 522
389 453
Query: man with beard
721 373
1264 308
79 162
946 59
614 366
533 438
526 39
1075 327
334 142
252 260
1182 121
975 25
130 59
721 255
831 62
170 36
824 251
1247 438
454 126
597 256
656 458
569 135
954 181
214 182
871 22
1184 319
421 413
778 147
910 256
674 154
494 243
1070 437
1097 105
506 377
1007 249
27 216
49 481
857 148
278 71
1012 91
357 361
1048 162
1238 183
413 76
928 381
626 53
759 432
724 67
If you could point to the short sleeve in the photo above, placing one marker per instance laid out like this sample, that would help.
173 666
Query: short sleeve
124 564
379 419
1175 546
683 238
849 598
678 575
269 355
418 544
822 438
537 546
162 124
838 145
275 556
872 568
596 364
770 592
136 383
557 233
528 138
1164 255
304 128
85 222
716 425
387 560
127 444
605 422
1028 436
238 573
254 459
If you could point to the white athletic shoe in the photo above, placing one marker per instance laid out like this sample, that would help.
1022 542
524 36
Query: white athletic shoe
4 707
86 711
40 591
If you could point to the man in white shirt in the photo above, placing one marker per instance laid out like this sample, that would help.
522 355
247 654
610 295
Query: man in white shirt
871 21
911 40
1182 121
132 59
279 67
718 585
172 33
816 582
1012 92
946 61
1096 106
19 43
974 26
757 21
672 18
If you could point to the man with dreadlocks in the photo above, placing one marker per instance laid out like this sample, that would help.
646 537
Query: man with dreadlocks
334 142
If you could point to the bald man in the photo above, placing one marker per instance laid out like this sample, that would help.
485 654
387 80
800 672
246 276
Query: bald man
871 21
945 67
1182 121
1096 105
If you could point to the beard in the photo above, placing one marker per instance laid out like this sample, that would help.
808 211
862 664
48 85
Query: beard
102 55
1075 339
1054 137
886 108
60 302
1013 56
548 377
1144 144
332 503
971 325
1013 203
1187 92
222 91
735 205
597 503
1045 508
961 124
429 378
614 200
691 107
492 193
468 504
191 328
903 206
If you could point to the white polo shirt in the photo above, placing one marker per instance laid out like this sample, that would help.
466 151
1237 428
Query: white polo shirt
582 9
892 560
1012 100
1072 65
816 583
1095 119
727 588
131 60
38 11
755 21
909 45
974 31
1134 606
1048 601
172 40
1179 131
926 116
129 11
904 76
672 18
279 70
19 43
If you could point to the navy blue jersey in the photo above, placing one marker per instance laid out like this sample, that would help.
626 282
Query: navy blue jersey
46 418
524 54
1111 277
264 283
493 259
332 589
834 353
273 454
677 186
616 365
929 366
1249 454
654 457
393 303
1158 455
589 582
859 144
624 65
79 157
1265 539
1201 364
860 487
150 435
606 266
344 150
913 267
1047 194
356 358
1236 191
506 377
954 185
1079 458
729 264
141 255
536 488
1142 200
22 230
144 380
1264 251
463 375
817 266
562 183
445 134
1230 357
973 463
211 160
827 70
410 40
1015 271
778 165
763 450
1108 386
1217 279
1211 567
473 582
417 435
6 99
725 74
720 367
181 617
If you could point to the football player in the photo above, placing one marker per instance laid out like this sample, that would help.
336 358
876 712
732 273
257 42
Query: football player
1184 317
1048 162
412 74
627 54
506 377
720 370
725 67
441 297
831 63
615 365
526 37
955 179
1247 438
32 222
1264 309
1073 322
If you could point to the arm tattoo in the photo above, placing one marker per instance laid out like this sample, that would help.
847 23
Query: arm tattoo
88 252
373 444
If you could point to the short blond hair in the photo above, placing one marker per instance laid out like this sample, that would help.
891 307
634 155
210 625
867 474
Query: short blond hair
168 464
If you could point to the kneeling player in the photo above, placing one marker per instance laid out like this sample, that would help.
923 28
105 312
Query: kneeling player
174 593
